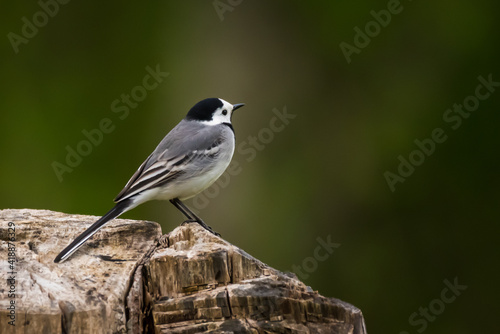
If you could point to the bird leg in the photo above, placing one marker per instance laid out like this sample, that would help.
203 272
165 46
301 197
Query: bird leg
191 217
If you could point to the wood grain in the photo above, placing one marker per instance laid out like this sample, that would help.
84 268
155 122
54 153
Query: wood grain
129 278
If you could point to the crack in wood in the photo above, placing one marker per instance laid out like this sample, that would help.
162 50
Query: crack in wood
131 279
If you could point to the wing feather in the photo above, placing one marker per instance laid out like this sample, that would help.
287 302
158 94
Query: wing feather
172 157
150 177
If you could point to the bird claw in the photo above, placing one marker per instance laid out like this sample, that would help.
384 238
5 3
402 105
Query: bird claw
217 234
205 226
187 221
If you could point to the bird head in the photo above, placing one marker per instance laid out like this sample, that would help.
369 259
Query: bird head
212 111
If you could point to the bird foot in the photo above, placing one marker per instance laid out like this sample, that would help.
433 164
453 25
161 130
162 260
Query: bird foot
187 221
205 226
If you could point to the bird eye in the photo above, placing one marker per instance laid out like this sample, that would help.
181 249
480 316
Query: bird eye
224 112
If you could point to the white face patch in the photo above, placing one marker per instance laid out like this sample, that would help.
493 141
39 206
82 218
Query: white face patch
221 115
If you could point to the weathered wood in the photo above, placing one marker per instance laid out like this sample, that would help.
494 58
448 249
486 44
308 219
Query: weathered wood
129 278
86 294
199 283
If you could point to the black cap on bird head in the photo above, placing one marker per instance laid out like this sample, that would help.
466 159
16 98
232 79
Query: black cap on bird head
203 110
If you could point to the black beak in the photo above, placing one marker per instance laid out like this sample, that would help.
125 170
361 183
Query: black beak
237 105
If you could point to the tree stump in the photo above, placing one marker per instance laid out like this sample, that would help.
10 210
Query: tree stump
129 278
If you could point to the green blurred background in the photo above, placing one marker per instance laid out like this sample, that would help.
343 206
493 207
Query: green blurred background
322 175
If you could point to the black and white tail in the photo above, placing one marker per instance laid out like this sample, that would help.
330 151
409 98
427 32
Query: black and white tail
117 210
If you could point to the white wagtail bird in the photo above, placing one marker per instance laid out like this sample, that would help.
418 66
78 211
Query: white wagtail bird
188 160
